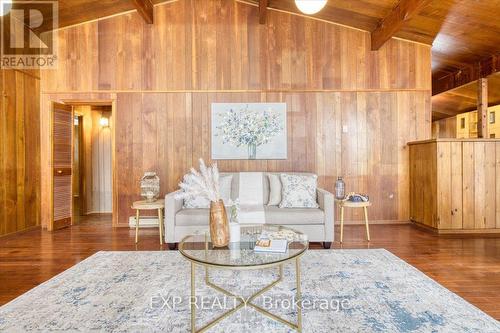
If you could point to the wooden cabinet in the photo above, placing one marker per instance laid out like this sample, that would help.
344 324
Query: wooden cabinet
454 187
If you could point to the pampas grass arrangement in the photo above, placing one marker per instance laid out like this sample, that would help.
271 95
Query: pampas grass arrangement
203 183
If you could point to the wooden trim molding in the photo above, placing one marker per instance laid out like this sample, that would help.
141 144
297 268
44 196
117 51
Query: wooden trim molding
420 142
477 232
263 91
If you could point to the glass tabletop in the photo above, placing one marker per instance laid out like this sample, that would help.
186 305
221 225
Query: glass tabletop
198 247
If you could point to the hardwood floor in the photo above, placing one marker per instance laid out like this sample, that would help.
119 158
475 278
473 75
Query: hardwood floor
468 266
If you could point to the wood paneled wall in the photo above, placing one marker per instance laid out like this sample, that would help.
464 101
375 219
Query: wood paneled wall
19 151
445 128
454 184
350 110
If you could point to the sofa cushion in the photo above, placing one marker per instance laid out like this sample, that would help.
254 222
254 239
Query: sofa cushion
192 216
294 216
274 190
298 191
274 215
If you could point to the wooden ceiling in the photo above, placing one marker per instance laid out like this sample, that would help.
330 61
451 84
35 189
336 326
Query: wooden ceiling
464 98
461 31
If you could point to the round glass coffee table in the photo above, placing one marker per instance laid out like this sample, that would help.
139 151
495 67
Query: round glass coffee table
240 255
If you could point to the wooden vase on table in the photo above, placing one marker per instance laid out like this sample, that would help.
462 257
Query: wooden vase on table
219 226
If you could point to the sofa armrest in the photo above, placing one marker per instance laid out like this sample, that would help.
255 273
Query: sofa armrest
326 202
172 206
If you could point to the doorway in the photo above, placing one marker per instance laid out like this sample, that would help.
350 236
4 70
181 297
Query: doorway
92 164
89 187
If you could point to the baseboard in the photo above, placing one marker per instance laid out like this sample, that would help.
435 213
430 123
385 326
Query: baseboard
144 222
477 232
362 222
17 233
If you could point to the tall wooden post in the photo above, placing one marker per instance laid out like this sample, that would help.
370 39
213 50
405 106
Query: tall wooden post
482 108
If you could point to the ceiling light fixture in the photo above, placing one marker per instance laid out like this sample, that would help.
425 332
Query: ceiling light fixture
5 6
310 6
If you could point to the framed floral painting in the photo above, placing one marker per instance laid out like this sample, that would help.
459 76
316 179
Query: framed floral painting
249 131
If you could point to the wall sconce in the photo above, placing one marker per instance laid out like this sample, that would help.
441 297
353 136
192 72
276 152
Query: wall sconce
104 122
5 7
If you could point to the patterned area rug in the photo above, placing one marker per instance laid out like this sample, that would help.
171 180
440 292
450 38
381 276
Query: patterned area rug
343 291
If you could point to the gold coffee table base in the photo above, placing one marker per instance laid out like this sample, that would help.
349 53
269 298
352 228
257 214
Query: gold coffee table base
243 302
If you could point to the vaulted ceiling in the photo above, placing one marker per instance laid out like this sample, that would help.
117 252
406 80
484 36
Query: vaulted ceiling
461 31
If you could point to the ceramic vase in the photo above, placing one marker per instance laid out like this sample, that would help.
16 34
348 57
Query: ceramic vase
219 226
150 186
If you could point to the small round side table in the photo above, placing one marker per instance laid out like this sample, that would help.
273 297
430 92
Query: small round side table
145 205
350 204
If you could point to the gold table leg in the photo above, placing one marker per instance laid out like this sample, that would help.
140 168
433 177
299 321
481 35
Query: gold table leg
160 223
193 298
299 295
244 302
366 223
341 223
137 226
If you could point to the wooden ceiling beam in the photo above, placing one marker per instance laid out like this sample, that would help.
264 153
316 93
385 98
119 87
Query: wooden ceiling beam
395 20
471 73
263 11
145 9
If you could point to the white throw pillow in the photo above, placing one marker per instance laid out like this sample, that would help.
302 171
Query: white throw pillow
299 191
274 189
202 202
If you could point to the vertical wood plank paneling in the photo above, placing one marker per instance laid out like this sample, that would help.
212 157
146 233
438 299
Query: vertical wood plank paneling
3 129
489 190
430 189
124 145
444 178
373 105
19 152
497 183
403 180
456 185
421 180
468 189
479 184
10 151
219 45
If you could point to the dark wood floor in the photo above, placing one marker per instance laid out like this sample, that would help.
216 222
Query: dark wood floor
467 266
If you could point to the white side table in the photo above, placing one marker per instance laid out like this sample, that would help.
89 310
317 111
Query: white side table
158 205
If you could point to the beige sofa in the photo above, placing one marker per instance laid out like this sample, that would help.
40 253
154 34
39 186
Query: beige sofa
317 223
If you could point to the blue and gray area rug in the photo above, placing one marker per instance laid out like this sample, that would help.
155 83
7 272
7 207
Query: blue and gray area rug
343 291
